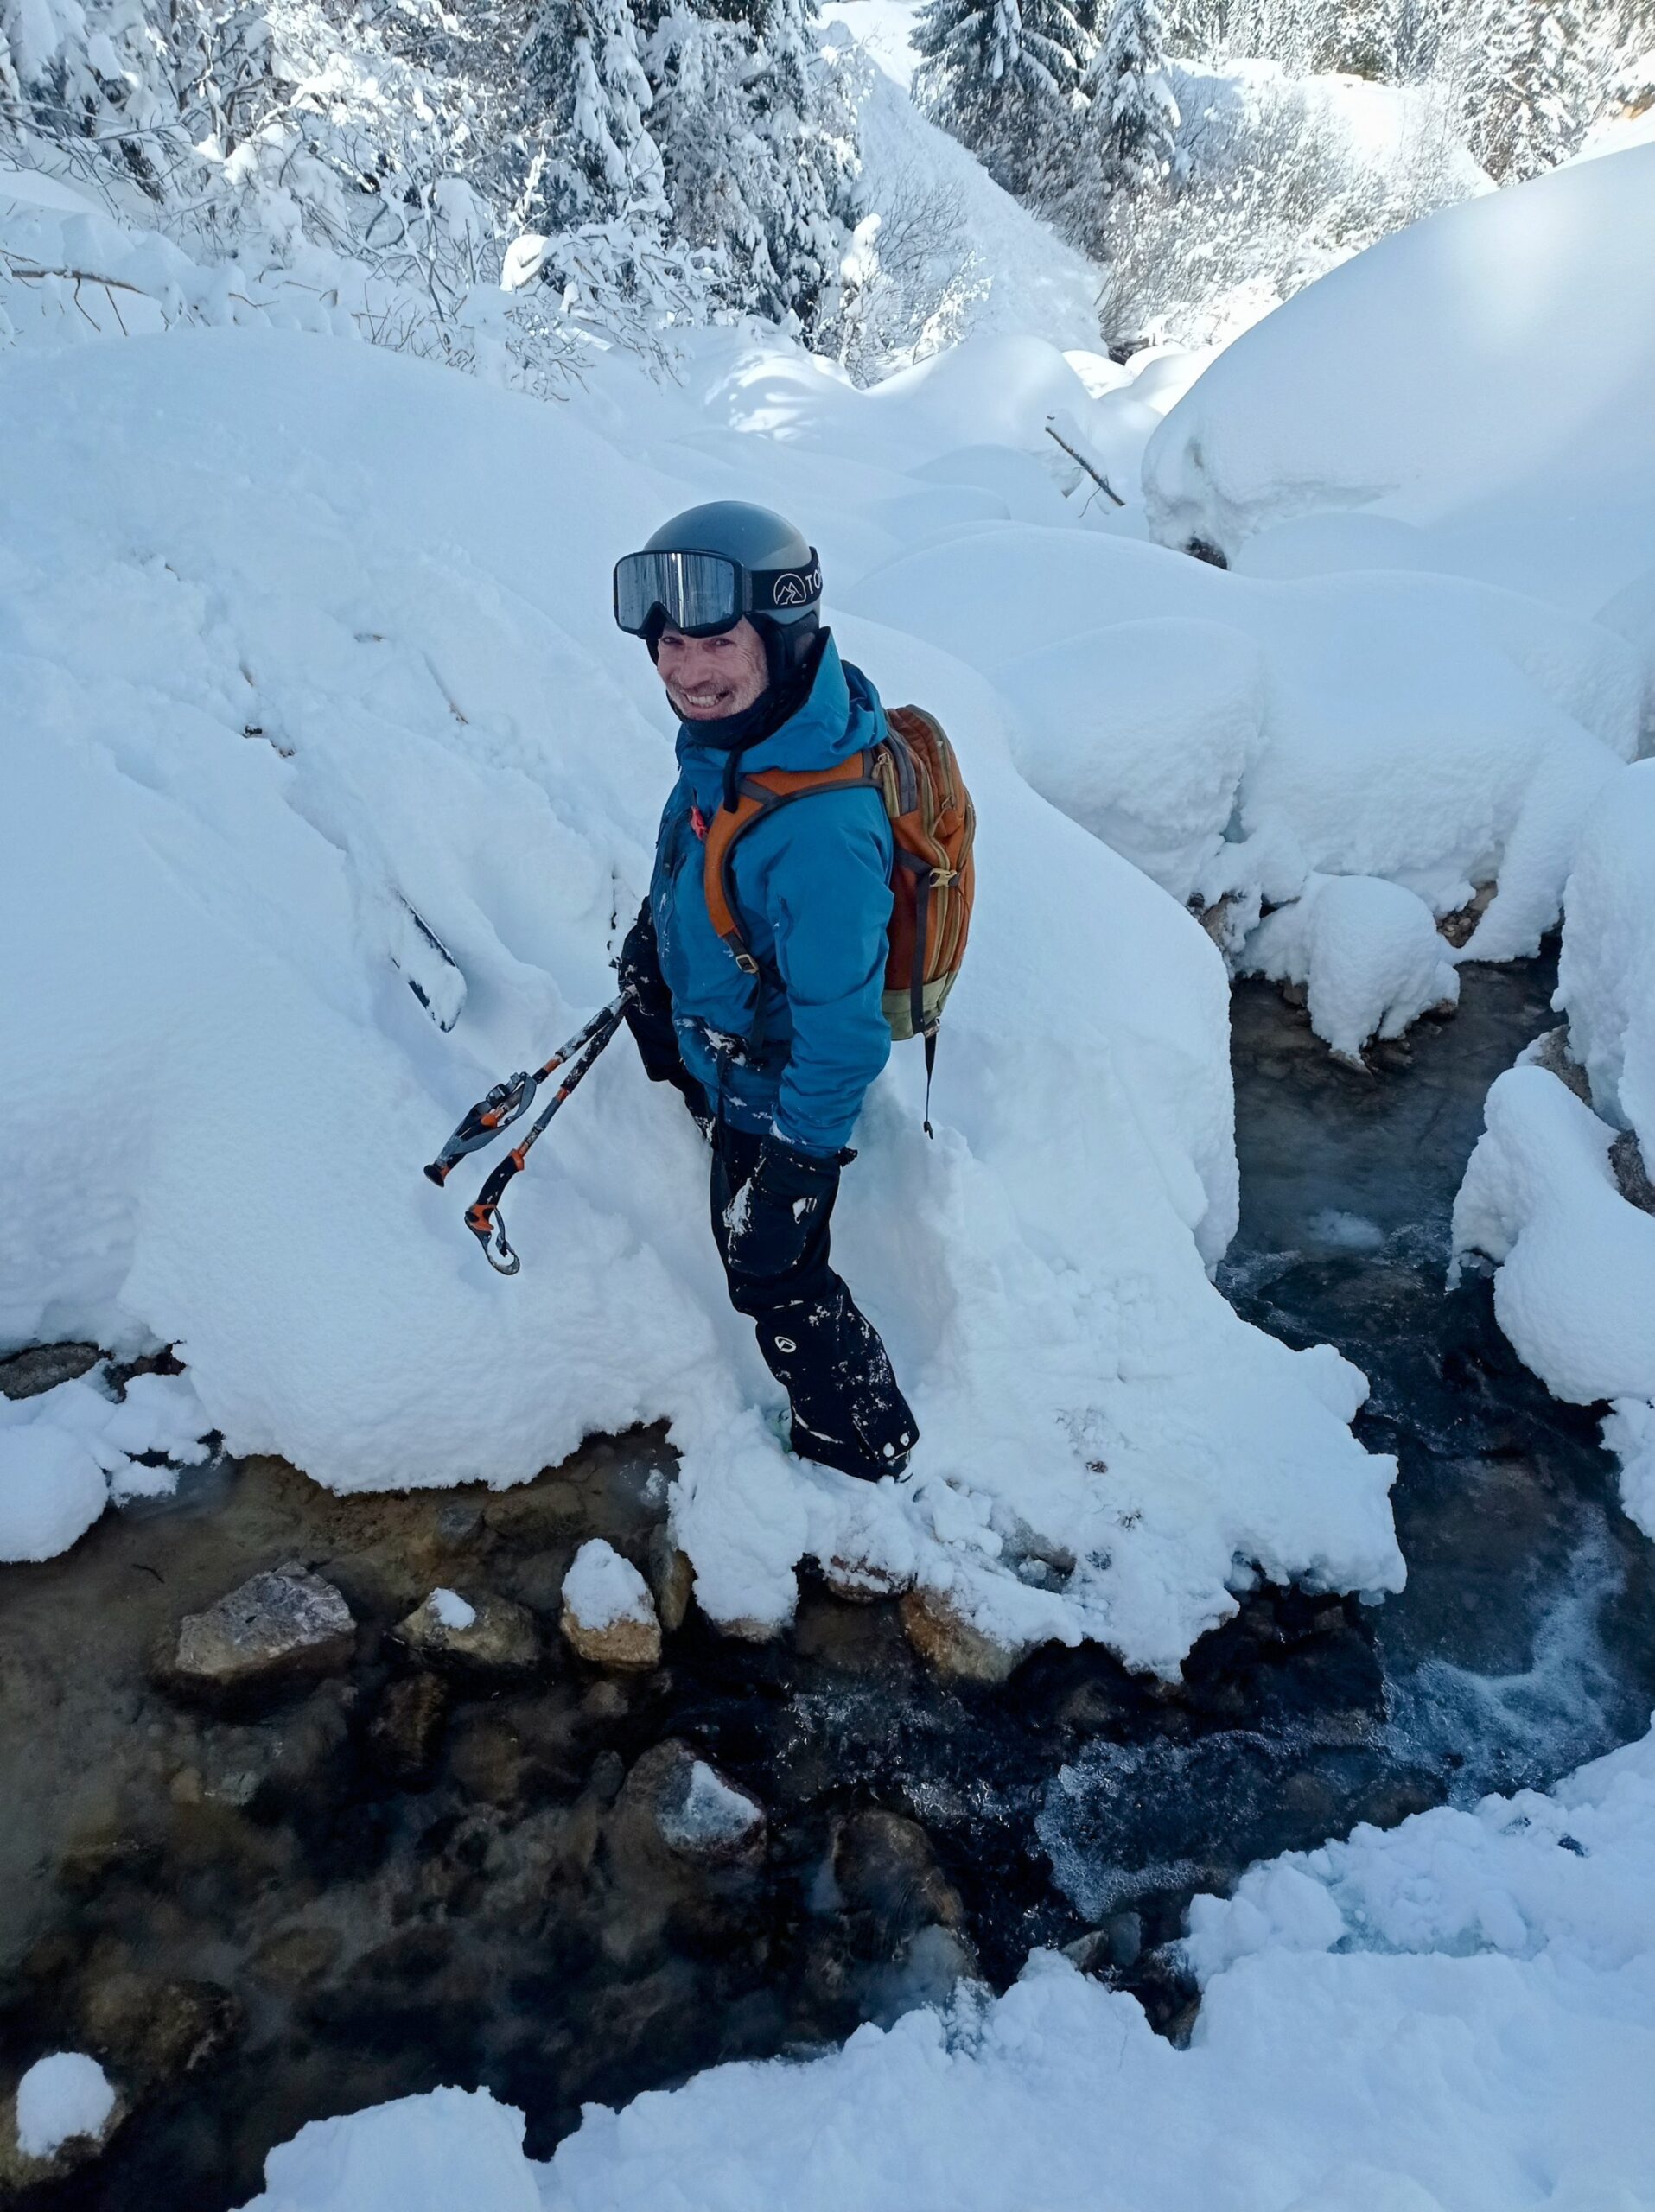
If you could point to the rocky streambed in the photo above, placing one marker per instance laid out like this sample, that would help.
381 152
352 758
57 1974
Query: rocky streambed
408 1847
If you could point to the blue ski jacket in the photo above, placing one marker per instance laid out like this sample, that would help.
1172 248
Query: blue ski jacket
793 1049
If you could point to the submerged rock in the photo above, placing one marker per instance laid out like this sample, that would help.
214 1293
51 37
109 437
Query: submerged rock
884 1870
608 1616
285 1624
672 1578
155 2030
406 1731
486 1637
677 1801
953 1646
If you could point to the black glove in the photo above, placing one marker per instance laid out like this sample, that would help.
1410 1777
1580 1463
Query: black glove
649 1014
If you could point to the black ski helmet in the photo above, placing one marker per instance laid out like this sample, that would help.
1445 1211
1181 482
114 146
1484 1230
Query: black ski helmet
780 574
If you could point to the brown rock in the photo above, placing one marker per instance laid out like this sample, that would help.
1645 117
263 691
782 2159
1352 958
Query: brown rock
952 1645
885 1868
1631 1177
157 2031
860 1581
406 1731
278 1626
672 1578
629 1644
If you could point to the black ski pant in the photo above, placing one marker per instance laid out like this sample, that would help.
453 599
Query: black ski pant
847 1409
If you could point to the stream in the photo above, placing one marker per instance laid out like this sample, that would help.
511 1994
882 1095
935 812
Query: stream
258 1916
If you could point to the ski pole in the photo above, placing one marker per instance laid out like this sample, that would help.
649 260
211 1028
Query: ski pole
483 1217
507 1102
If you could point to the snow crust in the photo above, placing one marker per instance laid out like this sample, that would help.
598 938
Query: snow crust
1369 953
1457 2015
63 2096
601 1587
1475 385
1606 973
333 644
66 1453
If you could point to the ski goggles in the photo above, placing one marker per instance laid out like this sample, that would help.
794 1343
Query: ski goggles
702 593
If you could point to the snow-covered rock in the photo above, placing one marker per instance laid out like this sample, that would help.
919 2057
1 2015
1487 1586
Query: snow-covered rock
608 1615
494 1638
1470 394
1367 952
67 1450
674 1801
61 2113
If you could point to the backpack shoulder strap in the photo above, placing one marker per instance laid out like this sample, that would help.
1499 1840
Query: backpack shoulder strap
759 797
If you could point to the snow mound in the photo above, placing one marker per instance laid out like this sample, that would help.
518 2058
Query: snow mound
1576 1290
325 652
62 2096
601 1587
1606 975
1455 2016
420 2154
67 1454
1235 736
1368 952
1481 378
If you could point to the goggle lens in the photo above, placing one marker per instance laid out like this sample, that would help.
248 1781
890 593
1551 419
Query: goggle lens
699 593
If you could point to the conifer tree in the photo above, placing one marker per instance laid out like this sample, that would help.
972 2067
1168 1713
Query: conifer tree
1004 77
585 93
1133 115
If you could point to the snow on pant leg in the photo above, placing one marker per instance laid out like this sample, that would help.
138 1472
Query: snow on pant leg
847 1408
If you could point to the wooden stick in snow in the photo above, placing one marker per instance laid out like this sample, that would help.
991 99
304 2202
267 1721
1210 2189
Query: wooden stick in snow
1081 461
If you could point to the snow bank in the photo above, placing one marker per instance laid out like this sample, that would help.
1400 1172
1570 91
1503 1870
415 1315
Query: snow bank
1235 736
1455 2016
1575 1287
1479 383
1368 953
65 1455
422 2154
331 647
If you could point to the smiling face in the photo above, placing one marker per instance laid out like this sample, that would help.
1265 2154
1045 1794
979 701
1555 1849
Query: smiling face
707 678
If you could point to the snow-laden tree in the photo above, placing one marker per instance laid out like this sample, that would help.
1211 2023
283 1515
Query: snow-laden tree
1004 77
1132 122
1546 67
585 94
759 151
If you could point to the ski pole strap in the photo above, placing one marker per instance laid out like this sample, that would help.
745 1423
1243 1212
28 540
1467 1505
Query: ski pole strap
510 1100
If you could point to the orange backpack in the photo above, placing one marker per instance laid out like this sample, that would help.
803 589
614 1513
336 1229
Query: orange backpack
933 823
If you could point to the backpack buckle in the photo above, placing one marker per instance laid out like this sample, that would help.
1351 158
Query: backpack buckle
746 963
942 877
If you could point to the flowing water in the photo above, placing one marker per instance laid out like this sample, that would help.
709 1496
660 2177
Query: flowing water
260 1918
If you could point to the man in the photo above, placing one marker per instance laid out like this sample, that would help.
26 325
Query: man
773 1053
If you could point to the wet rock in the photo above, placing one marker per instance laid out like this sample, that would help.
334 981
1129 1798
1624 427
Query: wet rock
1457 927
458 1522
672 1578
486 1758
1168 1991
1112 1948
1631 1177
280 1626
27 2158
296 1958
154 2031
886 1873
405 1733
608 1616
42 1367
862 1580
952 1646
1551 1051
483 1639
678 1802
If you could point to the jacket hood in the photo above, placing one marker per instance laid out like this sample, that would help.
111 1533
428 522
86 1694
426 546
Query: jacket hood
841 715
